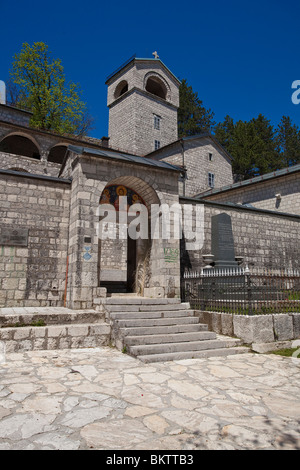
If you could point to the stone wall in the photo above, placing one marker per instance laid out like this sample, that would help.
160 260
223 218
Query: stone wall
44 142
9 161
195 157
265 239
34 275
263 194
51 337
270 330
131 122
14 115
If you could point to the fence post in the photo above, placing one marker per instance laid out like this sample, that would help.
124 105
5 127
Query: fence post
249 290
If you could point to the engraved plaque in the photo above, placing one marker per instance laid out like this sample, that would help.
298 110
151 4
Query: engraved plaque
14 237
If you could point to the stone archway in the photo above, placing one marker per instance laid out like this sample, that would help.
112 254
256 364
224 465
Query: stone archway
125 263
22 144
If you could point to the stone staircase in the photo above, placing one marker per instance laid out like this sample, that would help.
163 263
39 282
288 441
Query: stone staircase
163 330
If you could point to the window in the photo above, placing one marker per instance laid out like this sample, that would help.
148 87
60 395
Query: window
210 157
157 122
211 180
156 144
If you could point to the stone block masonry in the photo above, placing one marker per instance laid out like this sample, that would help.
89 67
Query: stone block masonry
254 329
202 153
263 194
265 239
9 161
55 337
34 275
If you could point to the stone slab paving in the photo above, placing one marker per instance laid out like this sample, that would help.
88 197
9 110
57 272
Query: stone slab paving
103 399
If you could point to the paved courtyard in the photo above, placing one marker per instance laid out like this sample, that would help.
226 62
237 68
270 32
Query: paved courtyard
103 399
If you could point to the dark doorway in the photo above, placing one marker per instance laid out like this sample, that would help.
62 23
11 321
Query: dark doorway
131 264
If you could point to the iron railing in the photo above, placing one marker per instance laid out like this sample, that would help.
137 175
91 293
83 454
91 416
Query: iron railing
239 291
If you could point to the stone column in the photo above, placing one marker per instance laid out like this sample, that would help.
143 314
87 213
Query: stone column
83 240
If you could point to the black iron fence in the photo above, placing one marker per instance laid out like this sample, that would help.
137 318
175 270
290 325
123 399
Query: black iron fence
242 292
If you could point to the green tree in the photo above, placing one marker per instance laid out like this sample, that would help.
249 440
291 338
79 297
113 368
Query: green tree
42 88
288 142
224 132
251 145
264 145
193 117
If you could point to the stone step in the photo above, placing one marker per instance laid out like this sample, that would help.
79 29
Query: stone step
125 300
122 295
155 322
176 356
181 347
50 317
146 308
29 338
169 338
163 330
155 314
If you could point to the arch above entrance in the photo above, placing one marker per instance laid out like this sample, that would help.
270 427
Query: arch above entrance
140 187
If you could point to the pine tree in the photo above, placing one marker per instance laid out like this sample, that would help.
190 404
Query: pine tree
288 142
193 117
251 144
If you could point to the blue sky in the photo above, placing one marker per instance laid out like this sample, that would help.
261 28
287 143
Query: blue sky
241 58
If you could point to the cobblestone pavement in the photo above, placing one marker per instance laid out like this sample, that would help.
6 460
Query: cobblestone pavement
103 399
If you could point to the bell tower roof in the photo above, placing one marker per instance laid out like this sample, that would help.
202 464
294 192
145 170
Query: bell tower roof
134 60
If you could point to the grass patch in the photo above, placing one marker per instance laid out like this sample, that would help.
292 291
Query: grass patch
22 325
287 352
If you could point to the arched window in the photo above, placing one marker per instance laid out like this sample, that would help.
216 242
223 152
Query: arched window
20 145
121 88
57 154
156 86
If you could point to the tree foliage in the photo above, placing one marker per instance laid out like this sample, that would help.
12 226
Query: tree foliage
288 142
193 117
38 83
256 147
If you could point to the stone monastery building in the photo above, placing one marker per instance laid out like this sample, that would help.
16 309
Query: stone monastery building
52 187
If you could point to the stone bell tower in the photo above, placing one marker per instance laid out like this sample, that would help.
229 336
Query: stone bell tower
143 99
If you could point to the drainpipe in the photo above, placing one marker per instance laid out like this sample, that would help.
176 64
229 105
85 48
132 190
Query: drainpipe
183 164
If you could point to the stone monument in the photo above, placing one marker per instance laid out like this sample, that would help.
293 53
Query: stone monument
222 243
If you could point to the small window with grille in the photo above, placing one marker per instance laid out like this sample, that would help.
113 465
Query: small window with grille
156 144
211 180
157 122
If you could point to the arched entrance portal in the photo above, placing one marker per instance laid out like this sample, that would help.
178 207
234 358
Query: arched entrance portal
125 262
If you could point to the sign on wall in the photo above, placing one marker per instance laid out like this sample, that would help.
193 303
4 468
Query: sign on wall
14 237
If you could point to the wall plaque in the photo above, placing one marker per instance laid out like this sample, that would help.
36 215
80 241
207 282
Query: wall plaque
14 237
